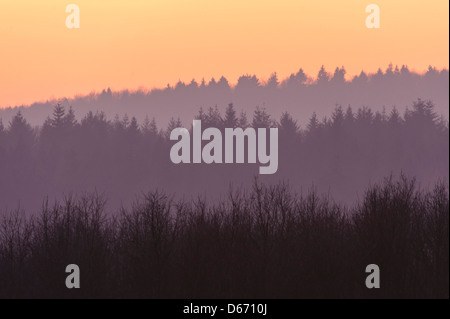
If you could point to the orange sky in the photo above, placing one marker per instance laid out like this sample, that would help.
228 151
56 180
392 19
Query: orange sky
149 43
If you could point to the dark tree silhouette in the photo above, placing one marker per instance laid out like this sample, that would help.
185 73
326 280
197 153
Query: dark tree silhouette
230 119
263 242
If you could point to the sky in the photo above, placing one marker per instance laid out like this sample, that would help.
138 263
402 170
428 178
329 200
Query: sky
149 43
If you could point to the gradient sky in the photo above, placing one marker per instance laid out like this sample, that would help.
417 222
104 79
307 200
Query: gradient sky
149 43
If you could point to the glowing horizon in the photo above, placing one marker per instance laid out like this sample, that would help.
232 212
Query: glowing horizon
148 44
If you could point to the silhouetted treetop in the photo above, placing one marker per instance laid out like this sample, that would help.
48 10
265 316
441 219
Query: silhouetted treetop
230 119
323 76
261 118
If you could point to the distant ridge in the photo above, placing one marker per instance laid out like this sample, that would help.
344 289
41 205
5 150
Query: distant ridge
300 94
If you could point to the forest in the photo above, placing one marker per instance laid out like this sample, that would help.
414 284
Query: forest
264 242
339 155
358 187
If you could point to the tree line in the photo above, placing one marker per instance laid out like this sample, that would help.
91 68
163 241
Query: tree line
262 242
121 157
299 93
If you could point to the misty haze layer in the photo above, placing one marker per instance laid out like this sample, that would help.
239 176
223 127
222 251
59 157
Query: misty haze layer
340 155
